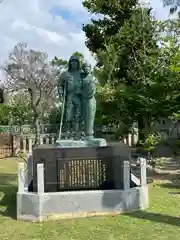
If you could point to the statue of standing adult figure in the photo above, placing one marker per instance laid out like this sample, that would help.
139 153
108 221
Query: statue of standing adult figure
69 90
77 90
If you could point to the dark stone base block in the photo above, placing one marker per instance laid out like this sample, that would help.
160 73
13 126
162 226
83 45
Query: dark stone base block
87 168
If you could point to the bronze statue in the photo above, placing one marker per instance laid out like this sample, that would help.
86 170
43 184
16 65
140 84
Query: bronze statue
88 100
69 89
76 90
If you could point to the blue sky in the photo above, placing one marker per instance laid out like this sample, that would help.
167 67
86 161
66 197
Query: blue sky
160 11
50 26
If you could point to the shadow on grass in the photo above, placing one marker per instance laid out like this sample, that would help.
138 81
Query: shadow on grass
169 168
172 185
6 178
155 217
8 192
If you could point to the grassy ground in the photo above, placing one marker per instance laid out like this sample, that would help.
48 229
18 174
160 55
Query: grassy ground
160 221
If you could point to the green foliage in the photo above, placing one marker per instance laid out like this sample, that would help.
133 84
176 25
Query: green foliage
64 63
80 56
59 62
123 129
102 39
151 141
112 14
123 60
21 112
55 116
18 112
178 143
5 114
140 81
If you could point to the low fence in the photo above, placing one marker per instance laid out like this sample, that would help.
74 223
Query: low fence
6 144
15 139
27 141
21 144
131 139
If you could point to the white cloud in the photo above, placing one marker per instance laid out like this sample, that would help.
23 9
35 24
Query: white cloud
32 22
73 5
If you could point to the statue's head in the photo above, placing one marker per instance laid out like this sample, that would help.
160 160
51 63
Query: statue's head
86 67
74 64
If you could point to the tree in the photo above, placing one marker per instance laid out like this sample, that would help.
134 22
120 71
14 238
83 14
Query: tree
173 4
99 33
21 112
116 49
80 56
173 44
59 62
137 82
55 118
151 87
1 95
113 14
29 71
5 114
1 92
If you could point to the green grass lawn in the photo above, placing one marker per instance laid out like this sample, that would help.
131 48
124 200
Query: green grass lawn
160 221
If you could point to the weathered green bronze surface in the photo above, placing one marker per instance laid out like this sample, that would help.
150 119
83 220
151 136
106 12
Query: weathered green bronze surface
76 90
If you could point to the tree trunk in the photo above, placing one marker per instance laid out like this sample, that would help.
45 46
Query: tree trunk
36 124
141 127
144 126
148 125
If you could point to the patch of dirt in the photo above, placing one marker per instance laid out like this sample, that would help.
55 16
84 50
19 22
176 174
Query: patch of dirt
166 169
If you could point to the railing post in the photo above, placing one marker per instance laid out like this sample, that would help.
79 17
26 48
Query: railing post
125 140
41 140
52 140
143 171
135 135
126 175
47 140
130 139
24 146
40 178
12 145
29 169
30 145
135 139
21 177
17 144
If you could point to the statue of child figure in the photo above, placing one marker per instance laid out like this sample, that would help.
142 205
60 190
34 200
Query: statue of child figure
88 100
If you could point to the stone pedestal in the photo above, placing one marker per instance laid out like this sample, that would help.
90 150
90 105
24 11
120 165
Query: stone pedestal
40 205
75 168
94 142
